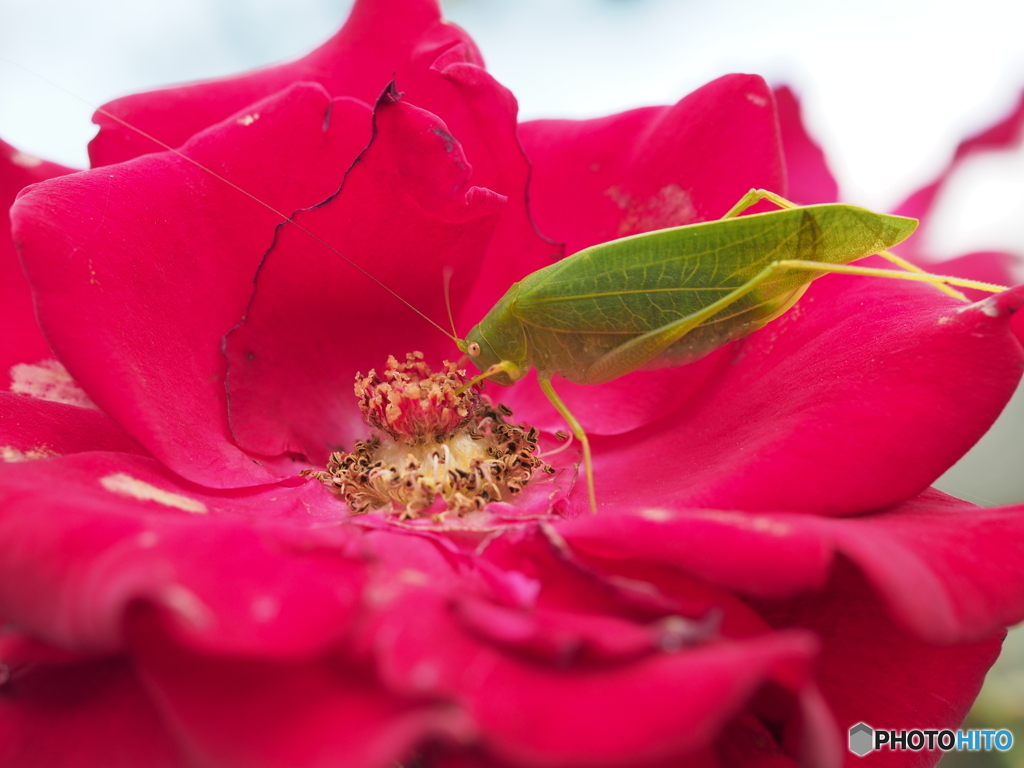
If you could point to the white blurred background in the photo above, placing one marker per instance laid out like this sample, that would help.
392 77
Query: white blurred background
889 87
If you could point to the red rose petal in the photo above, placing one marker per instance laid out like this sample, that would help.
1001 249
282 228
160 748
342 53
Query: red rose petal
434 64
31 428
138 316
570 710
21 341
762 555
598 180
807 175
624 713
382 40
89 713
947 570
317 713
871 671
943 568
239 572
858 398
406 209
661 705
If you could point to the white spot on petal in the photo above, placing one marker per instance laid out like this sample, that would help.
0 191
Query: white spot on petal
774 527
48 380
989 307
11 454
746 522
414 577
265 608
185 603
656 515
248 119
25 160
125 485
757 99
424 676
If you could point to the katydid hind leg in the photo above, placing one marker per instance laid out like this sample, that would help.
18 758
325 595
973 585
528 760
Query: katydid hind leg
577 430
906 265
640 350
755 196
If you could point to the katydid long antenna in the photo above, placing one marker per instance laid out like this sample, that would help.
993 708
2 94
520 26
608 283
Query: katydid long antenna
448 272
285 217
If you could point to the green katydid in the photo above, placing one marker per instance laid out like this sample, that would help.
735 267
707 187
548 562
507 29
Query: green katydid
662 298
666 298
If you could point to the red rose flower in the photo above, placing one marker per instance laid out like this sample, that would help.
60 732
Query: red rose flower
767 567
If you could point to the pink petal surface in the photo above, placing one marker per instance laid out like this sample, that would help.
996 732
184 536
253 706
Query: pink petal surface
808 177
435 65
242 572
314 713
138 315
856 399
872 671
406 210
90 713
623 711
943 568
597 180
20 341
32 428
382 40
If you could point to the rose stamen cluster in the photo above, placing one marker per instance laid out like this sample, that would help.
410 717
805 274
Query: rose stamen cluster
411 404
440 449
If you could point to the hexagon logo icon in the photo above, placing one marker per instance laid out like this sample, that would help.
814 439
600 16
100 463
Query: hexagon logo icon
861 739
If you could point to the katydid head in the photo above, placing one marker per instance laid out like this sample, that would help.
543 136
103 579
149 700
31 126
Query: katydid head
497 366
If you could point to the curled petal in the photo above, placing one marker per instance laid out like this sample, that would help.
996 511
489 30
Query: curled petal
58 709
381 41
21 341
612 704
871 670
656 167
943 568
140 269
313 713
433 63
38 429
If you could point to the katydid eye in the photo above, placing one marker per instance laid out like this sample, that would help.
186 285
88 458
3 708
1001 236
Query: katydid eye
473 349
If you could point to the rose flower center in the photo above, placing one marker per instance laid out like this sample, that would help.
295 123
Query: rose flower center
437 449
